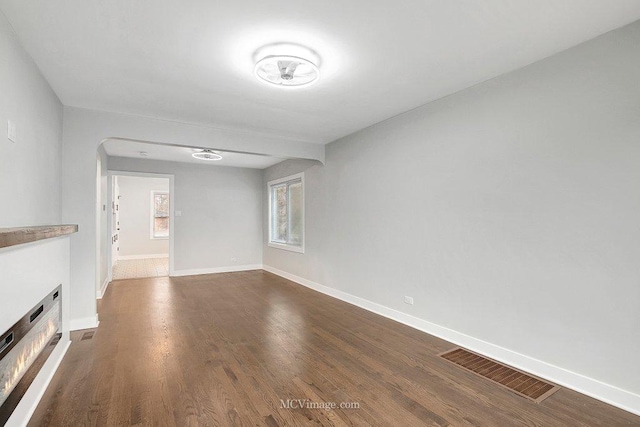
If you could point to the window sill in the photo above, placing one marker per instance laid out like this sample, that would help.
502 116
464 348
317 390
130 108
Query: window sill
291 248
160 238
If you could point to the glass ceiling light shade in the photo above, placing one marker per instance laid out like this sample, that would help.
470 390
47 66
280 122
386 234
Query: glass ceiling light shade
208 155
286 71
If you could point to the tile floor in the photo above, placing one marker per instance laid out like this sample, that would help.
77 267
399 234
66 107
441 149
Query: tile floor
139 268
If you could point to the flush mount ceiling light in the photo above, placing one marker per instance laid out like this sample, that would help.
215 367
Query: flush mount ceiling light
286 71
209 155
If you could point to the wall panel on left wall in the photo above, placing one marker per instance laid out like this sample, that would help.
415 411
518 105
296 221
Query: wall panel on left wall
31 191
30 167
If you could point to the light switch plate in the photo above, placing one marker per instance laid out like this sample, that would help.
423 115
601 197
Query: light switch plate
12 131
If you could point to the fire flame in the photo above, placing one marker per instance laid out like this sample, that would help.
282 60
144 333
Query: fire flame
27 356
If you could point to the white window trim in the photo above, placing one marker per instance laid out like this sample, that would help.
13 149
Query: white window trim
284 246
152 216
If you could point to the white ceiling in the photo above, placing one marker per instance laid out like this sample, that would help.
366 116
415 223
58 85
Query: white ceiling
172 153
192 61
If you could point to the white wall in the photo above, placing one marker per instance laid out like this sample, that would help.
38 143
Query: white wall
135 213
509 212
221 213
30 190
29 169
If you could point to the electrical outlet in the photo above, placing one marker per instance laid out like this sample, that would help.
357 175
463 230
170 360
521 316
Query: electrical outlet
408 300
234 260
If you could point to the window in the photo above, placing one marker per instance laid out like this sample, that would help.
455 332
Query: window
286 213
159 215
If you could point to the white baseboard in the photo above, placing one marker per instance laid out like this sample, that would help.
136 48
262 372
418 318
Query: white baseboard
598 390
229 269
29 402
146 256
84 323
103 288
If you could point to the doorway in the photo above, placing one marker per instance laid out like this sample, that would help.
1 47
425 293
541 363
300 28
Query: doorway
140 225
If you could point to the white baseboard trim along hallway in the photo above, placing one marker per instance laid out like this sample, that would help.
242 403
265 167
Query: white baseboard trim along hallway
84 323
598 390
229 269
103 288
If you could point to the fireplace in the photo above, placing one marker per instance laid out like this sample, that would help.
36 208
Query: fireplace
25 347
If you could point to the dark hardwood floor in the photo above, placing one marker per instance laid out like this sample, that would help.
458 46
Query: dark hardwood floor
226 349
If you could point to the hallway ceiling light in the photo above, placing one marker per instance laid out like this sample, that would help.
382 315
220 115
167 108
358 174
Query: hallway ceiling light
209 155
286 71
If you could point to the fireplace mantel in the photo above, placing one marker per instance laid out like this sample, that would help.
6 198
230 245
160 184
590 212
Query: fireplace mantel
20 235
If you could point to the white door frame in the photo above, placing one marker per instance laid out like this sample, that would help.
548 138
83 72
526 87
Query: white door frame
113 201
170 177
